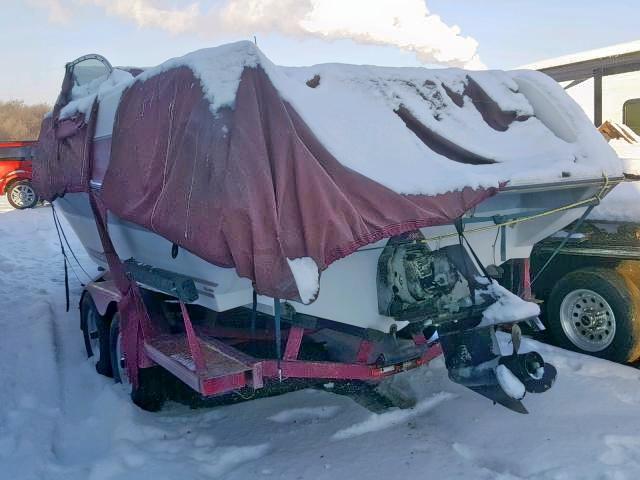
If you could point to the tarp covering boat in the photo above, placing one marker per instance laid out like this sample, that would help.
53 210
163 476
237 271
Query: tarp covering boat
278 172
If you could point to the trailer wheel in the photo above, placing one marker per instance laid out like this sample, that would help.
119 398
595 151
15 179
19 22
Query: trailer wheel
150 393
21 195
95 331
593 311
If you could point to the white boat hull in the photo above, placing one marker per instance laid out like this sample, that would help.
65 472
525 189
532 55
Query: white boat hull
348 287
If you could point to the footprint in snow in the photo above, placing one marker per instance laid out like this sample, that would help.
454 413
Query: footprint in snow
497 467
622 450
219 461
632 398
305 415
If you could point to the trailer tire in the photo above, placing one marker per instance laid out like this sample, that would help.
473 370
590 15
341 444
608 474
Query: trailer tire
95 331
593 311
150 394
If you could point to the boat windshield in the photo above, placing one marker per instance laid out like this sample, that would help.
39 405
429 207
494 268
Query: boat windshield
89 69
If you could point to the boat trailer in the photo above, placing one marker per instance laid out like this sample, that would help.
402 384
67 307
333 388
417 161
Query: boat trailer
155 309
205 357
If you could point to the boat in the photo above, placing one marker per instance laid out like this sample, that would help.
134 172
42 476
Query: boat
374 198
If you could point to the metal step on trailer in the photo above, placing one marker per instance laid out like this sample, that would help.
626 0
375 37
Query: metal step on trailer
216 367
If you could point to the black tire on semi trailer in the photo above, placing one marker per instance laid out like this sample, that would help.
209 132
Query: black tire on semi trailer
596 311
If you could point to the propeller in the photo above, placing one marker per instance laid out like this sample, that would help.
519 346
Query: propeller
516 338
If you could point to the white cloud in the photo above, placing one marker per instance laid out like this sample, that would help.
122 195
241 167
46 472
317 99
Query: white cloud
147 13
58 12
405 24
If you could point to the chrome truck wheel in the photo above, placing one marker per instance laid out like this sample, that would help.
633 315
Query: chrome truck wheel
596 311
587 320
22 195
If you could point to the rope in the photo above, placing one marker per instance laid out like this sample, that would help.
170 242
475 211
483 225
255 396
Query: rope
65 260
564 241
460 230
56 220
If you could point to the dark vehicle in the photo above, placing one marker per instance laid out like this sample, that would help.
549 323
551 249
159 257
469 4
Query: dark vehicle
591 289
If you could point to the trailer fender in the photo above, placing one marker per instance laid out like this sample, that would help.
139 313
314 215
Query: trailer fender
103 294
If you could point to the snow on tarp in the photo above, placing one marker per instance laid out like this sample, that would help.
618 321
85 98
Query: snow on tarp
83 96
305 273
405 125
541 136
247 164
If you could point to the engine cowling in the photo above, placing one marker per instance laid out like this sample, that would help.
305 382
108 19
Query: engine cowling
415 282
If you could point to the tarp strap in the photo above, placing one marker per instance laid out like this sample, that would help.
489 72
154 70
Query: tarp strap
254 312
277 319
116 267
133 312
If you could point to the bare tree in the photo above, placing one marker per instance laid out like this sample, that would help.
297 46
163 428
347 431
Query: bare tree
19 121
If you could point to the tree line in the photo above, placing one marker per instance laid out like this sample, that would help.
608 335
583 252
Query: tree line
19 121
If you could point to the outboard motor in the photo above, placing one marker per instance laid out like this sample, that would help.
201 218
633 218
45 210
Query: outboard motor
473 359
442 289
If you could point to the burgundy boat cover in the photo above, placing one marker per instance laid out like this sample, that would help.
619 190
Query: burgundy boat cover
249 187
62 161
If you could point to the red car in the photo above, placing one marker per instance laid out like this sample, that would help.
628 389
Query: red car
15 174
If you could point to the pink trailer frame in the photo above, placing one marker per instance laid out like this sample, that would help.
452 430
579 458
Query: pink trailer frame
211 366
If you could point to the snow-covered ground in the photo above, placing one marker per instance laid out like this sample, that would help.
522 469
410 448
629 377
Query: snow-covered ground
60 420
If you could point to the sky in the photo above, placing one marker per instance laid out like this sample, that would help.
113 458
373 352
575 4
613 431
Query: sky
39 36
